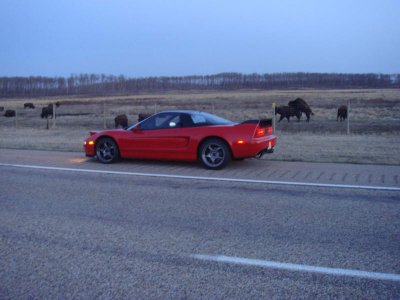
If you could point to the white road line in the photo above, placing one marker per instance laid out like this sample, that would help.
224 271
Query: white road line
347 186
297 267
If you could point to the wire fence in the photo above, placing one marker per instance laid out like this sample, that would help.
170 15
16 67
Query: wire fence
98 115
361 118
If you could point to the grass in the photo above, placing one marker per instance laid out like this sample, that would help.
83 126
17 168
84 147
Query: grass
375 121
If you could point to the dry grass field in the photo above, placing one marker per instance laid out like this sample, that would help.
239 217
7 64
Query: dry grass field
374 115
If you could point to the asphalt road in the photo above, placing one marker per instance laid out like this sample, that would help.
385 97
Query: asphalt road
67 234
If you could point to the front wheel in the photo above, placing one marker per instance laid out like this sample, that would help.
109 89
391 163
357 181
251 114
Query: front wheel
107 150
214 154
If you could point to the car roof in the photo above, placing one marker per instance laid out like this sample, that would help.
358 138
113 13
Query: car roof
183 111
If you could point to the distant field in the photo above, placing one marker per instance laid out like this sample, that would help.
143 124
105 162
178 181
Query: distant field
375 121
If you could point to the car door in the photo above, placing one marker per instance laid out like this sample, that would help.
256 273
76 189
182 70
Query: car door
161 136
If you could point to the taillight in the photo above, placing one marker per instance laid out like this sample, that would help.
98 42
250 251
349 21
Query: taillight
260 132
263 131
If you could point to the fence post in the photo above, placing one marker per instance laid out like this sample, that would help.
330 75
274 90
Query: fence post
273 115
348 117
54 115
104 114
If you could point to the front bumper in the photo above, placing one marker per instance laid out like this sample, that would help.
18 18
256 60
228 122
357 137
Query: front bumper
89 149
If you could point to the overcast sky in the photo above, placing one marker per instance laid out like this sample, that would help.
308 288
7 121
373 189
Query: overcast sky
174 37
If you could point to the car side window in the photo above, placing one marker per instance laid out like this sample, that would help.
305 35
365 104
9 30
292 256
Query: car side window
162 121
186 120
199 120
174 122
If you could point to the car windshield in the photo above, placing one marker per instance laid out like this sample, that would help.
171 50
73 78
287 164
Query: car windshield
203 118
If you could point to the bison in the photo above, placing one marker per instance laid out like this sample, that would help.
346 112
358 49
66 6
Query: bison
301 106
48 111
1 108
143 116
121 120
29 105
342 113
287 112
9 113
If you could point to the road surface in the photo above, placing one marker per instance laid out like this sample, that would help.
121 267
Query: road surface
92 233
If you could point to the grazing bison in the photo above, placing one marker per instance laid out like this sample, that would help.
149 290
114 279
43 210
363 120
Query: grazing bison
342 113
29 105
287 112
121 120
1 108
143 116
301 106
47 111
9 113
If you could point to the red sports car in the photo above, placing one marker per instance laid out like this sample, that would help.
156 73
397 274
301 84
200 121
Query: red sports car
184 135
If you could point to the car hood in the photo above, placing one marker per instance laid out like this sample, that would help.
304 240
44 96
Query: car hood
96 132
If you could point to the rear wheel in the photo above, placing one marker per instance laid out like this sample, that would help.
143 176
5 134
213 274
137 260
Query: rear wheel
214 154
107 150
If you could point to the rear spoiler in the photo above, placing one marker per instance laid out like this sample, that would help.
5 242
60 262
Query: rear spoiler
261 123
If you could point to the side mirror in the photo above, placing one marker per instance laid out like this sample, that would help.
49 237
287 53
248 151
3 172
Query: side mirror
136 128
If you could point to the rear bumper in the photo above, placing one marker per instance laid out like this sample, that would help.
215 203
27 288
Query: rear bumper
269 150
255 148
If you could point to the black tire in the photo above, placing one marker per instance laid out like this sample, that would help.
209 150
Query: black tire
214 154
107 150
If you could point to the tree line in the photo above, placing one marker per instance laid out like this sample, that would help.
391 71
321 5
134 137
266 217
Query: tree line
100 84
